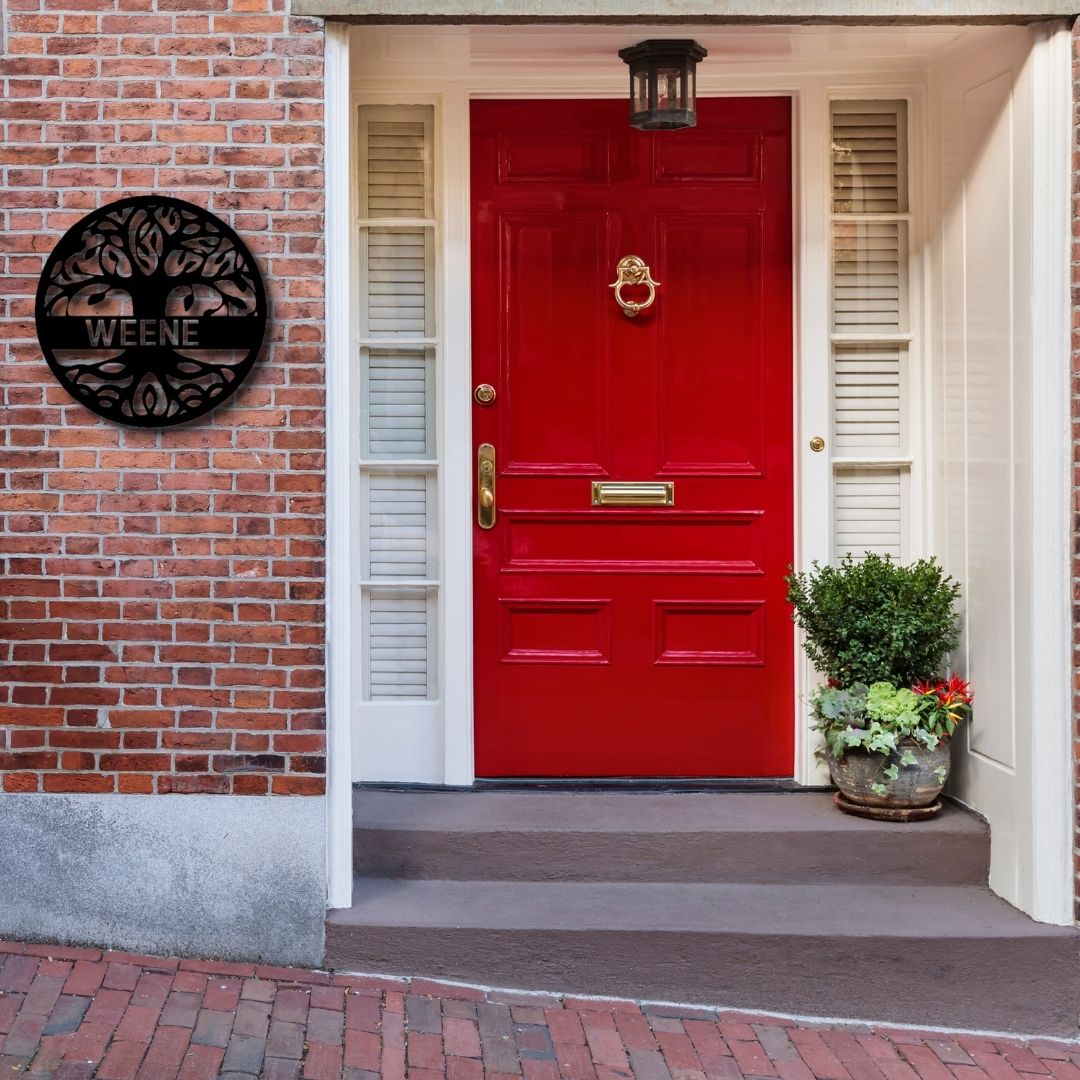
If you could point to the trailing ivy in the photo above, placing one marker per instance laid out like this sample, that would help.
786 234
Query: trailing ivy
873 621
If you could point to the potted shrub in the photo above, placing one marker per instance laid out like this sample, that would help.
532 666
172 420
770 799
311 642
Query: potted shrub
880 633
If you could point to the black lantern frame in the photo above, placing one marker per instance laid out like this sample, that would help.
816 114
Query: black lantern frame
663 83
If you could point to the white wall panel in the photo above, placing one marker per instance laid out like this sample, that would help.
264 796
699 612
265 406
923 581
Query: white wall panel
987 108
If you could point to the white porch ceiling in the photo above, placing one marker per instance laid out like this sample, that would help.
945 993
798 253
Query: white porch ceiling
590 52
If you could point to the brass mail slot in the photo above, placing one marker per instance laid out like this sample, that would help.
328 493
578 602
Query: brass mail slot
632 493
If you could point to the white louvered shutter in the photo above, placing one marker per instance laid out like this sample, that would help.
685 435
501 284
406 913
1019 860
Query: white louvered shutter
398 397
398 641
398 175
867 512
398 506
396 272
399 520
869 153
867 407
870 325
869 277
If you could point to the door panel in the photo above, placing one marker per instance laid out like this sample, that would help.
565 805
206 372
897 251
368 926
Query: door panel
556 338
710 411
634 640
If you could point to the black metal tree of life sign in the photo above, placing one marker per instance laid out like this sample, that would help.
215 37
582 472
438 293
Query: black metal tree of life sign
150 311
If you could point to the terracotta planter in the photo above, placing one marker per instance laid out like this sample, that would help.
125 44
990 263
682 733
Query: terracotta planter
916 785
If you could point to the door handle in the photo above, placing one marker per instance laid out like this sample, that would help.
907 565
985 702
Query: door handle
485 486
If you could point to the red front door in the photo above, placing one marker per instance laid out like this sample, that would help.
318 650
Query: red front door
641 640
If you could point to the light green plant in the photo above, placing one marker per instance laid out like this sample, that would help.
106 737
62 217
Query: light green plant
879 718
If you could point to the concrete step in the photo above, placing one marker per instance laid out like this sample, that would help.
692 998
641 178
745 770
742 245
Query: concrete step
931 955
799 838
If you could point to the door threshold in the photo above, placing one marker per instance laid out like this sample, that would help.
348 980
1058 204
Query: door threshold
627 784
638 783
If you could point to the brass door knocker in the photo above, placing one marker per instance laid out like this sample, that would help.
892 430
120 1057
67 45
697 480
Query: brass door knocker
632 270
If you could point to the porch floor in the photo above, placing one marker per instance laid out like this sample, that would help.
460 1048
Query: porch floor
73 1014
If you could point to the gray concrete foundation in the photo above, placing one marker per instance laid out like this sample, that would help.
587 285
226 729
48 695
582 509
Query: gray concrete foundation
236 877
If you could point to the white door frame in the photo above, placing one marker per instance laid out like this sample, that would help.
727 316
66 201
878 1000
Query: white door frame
448 80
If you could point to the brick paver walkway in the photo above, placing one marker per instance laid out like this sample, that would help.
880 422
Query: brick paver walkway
78 1013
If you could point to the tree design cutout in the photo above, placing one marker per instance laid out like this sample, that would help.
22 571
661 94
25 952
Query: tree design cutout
150 311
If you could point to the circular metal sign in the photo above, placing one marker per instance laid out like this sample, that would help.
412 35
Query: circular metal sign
150 311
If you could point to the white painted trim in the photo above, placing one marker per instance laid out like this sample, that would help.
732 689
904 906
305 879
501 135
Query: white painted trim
812 383
455 413
1051 472
916 421
340 617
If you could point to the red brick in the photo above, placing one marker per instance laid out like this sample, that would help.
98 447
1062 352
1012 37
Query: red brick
85 978
322 1063
679 1054
565 1026
21 782
362 1050
122 1060
74 782
138 1023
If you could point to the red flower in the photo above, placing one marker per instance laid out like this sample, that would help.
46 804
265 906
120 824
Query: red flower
956 690
959 690
952 696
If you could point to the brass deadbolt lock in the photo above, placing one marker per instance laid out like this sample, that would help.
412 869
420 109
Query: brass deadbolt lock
817 444
484 394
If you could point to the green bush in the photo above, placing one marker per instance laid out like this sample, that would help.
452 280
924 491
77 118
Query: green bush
875 621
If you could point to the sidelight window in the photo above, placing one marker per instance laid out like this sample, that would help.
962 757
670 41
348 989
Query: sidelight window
871 326
398 349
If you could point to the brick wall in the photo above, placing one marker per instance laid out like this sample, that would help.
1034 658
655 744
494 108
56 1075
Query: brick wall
162 591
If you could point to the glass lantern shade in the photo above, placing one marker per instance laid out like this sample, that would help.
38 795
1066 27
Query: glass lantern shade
663 83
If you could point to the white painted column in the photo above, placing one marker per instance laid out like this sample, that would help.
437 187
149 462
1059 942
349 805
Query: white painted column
1051 477
340 641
